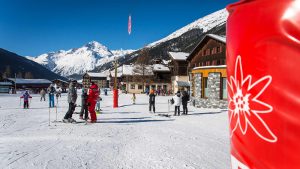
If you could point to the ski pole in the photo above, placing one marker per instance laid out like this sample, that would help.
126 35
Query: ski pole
49 117
56 111
168 106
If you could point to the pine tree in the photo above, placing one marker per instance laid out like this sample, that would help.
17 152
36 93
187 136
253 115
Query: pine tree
142 69
8 71
28 75
19 75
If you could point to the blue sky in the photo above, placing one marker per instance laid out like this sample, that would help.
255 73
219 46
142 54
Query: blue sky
34 27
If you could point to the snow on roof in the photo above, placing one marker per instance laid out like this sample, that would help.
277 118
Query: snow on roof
91 74
210 67
30 81
5 83
132 70
160 68
218 37
179 55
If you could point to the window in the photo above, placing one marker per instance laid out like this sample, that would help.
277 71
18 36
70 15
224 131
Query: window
218 49
140 87
205 88
207 52
224 88
132 86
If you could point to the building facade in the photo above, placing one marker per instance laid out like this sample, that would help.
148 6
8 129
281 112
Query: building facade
179 71
99 78
207 71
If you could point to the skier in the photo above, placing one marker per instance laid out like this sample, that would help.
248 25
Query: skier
105 92
177 102
185 99
72 97
51 91
152 101
92 98
133 98
58 92
26 97
43 94
98 105
84 105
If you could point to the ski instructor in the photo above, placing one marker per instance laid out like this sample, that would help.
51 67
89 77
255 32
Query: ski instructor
72 97
92 98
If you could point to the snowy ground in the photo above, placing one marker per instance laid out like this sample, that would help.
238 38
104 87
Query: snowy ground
123 138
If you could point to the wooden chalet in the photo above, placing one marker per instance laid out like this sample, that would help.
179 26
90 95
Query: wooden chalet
207 69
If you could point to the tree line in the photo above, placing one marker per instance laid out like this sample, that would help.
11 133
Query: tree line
7 73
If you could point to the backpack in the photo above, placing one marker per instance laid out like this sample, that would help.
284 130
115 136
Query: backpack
172 101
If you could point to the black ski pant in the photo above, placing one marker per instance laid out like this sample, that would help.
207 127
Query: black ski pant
70 111
177 110
152 105
84 111
185 109
26 105
43 97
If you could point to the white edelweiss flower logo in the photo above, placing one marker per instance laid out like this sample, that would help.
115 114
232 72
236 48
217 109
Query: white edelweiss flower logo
244 105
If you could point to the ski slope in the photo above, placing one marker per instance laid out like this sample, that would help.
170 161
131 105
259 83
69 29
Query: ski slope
128 137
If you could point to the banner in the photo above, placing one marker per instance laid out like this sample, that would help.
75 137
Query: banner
263 66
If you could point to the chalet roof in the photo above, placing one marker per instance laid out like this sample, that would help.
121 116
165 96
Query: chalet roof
92 74
213 36
210 67
183 84
218 37
29 81
5 84
178 55
130 70
160 68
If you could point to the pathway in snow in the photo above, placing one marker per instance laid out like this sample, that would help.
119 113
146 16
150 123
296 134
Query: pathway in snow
124 138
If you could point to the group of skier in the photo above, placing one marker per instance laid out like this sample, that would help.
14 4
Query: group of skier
89 99
180 98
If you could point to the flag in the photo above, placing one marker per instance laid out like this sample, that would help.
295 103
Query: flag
129 24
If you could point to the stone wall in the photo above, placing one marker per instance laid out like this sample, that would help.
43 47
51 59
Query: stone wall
213 98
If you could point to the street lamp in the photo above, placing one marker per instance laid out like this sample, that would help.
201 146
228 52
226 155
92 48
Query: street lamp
115 91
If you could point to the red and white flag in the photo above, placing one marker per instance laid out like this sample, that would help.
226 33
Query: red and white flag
129 25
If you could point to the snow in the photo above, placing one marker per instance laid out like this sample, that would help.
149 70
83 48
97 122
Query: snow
210 67
206 23
128 137
78 60
179 55
91 74
160 68
30 81
218 37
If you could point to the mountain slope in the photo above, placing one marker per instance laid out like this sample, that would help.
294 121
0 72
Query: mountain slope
78 60
184 39
21 64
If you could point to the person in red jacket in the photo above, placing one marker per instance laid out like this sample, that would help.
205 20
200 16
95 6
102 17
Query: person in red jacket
92 99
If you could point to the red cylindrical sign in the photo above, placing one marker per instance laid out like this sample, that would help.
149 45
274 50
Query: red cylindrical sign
263 66
115 98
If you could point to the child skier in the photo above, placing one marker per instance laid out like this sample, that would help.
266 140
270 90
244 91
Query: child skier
26 97
133 98
98 105
84 98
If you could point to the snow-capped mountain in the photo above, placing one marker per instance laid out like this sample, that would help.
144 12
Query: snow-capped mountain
205 24
78 60
184 39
